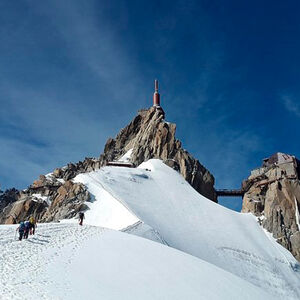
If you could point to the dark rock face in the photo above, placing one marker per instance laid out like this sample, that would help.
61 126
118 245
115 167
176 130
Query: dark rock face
19 205
68 200
22 210
47 199
72 169
273 193
8 197
149 136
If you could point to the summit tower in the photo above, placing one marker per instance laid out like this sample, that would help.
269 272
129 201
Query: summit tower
156 96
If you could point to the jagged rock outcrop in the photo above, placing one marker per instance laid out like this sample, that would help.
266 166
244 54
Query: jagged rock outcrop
22 209
149 136
273 194
8 197
48 199
69 199
72 169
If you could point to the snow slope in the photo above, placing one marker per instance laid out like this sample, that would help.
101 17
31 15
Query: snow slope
108 212
160 197
66 261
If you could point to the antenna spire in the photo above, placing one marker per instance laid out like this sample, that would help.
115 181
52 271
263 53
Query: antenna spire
156 85
156 96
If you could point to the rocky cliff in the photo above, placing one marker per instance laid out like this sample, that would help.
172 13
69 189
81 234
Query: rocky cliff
273 195
54 196
8 197
149 136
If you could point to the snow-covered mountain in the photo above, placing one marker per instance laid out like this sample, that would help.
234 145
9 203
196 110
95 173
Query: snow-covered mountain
149 233
171 243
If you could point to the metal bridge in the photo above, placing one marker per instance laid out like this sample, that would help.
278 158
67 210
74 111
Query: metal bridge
230 193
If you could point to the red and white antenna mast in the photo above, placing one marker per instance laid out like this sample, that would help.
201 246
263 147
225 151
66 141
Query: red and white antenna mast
156 96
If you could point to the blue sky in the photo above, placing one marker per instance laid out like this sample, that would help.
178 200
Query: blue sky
74 72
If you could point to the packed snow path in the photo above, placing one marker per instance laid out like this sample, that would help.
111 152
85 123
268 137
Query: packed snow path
24 264
66 261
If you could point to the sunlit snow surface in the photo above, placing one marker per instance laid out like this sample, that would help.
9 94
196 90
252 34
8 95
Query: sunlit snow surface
161 198
66 261
231 257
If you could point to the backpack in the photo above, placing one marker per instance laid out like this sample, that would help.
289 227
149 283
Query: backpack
27 225
22 226
81 215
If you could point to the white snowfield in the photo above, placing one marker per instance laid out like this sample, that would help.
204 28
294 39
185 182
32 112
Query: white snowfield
65 261
159 197
223 254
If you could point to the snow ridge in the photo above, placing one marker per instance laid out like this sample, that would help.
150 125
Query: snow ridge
159 197
172 243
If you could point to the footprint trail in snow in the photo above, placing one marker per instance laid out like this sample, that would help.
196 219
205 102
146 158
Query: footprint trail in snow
25 264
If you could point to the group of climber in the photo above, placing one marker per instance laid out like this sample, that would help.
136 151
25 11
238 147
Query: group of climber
26 228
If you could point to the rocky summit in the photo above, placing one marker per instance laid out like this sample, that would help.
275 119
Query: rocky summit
272 193
55 196
150 136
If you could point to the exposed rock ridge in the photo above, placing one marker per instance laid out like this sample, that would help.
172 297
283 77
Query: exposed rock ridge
149 136
6 198
48 199
273 194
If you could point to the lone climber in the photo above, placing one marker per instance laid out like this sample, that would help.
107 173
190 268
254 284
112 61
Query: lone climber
81 217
